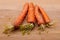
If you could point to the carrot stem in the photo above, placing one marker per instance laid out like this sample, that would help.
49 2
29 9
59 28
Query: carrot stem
8 29
50 24
27 27
41 27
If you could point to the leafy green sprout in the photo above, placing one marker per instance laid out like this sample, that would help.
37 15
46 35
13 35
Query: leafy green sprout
50 24
26 28
8 29
41 27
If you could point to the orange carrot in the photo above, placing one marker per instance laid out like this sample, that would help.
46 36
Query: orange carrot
31 16
45 16
38 16
39 19
19 20
21 17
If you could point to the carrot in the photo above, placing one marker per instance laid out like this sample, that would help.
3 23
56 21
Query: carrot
39 18
21 17
30 19
31 16
45 16
19 20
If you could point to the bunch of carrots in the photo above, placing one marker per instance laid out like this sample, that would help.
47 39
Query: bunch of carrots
34 14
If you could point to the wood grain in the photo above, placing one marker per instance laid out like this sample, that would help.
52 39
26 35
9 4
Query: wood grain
9 11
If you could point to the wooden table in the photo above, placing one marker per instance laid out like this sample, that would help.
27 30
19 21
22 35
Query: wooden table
52 7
